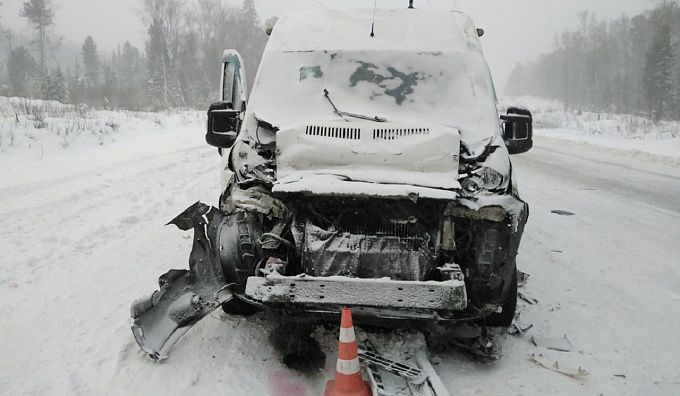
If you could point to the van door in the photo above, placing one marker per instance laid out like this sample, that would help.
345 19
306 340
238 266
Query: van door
233 86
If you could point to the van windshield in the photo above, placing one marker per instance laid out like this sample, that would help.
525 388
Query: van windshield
448 88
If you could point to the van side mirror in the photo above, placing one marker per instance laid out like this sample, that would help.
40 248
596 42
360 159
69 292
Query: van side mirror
518 130
223 125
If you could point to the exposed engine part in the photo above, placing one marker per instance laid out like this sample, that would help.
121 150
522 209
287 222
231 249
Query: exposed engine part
256 199
491 213
488 247
332 252
274 265
367 238
451 271
239 246
448 233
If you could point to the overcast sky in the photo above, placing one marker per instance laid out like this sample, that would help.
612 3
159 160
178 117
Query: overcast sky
516 29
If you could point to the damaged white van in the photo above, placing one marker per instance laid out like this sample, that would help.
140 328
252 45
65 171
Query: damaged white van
369 168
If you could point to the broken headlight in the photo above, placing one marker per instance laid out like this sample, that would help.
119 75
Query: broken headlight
484 178
492 178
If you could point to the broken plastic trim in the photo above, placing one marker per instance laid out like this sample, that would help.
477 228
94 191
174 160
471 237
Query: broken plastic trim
184 297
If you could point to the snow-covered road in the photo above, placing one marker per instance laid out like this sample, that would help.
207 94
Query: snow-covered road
607 277
78 243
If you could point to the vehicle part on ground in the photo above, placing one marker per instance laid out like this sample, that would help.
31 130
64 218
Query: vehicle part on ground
389 377
411 374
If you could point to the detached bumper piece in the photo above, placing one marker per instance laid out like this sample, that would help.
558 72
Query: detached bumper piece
184 297
343 291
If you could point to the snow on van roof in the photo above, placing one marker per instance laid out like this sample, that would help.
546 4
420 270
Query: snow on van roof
400 30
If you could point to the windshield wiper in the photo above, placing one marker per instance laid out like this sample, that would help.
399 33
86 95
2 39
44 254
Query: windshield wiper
346 114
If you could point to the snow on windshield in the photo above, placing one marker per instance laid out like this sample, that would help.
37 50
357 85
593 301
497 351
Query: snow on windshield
452 89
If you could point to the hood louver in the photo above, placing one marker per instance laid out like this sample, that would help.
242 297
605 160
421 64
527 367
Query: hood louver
396 133
355 133
334 132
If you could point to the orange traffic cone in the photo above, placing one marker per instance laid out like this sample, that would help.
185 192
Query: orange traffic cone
348 380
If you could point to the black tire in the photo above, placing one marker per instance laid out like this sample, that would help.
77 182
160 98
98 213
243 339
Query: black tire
506 316
238 307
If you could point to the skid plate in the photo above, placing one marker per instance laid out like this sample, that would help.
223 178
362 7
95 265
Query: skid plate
337 290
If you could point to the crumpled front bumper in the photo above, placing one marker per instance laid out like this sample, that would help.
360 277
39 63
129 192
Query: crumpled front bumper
406 299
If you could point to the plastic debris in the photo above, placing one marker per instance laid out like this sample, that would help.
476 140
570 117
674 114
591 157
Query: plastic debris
542 361
556 344
522 278
519 328
562 212
527 299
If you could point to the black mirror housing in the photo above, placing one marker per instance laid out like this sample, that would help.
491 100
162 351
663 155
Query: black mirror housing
223 125
518 130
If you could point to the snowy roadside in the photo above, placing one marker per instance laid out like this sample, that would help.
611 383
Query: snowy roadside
42 139
619 134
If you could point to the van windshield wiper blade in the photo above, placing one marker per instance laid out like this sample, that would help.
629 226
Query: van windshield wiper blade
347 114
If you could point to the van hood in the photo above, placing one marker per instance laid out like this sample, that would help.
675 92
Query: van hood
421 155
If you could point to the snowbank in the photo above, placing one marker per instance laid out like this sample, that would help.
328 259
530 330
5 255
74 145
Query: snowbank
41 138
39 125
621 134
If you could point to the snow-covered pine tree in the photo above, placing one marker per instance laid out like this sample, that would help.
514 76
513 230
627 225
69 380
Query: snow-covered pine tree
91 70
163 43
156 83
657 73
76 83
110 87
56 86
21 69
251 38
131 73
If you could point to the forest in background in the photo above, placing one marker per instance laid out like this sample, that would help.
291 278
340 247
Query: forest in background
627 65
179 65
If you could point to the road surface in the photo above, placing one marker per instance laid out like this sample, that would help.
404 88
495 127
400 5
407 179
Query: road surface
76 247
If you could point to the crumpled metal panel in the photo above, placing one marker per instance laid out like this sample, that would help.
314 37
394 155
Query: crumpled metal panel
184 297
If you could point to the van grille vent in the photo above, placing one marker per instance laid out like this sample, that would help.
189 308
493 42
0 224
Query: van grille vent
396 133
334 132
